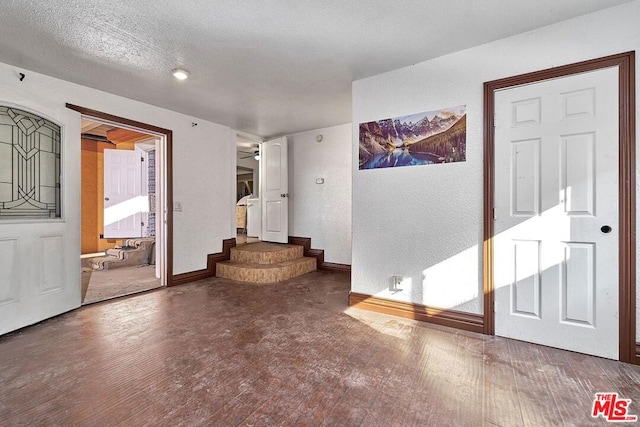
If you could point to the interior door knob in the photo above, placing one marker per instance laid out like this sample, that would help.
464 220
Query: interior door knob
606 229
106 198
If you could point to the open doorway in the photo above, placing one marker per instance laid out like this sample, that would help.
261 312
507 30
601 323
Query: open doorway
122 199
248 215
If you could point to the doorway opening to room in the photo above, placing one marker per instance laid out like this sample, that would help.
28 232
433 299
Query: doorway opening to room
124 198
248 208
262 190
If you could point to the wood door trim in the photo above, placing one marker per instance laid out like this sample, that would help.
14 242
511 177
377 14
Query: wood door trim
627 175
169 169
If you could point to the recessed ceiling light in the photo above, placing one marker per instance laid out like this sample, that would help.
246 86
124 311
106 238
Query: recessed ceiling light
180 74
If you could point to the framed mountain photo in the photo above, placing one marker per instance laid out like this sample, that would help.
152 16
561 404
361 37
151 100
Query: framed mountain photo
418 139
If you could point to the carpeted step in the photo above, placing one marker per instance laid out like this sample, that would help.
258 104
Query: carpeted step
266 253
265 273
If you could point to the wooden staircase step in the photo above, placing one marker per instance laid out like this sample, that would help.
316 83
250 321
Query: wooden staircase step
253 272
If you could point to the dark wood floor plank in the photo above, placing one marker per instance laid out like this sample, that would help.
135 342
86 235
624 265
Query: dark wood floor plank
501 402
534 393
573 401
223 353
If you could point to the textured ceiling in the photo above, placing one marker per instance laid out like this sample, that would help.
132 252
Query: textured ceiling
264 67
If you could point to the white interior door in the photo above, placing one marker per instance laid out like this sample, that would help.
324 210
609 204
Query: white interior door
274 191
125 198
254 218
556 213
39 237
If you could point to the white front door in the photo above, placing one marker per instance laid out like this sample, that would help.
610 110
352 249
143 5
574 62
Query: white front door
556 213
126 203
274 191
39 211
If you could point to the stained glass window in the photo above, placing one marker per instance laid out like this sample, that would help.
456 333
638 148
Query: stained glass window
29 165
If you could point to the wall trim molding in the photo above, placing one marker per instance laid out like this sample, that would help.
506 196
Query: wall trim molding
451 318
625 62
318 254
212 261
305 242
338 268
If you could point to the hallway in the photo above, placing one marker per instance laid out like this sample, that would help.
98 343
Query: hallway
218 352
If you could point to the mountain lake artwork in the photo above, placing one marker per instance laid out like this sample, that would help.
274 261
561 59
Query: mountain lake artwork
419 139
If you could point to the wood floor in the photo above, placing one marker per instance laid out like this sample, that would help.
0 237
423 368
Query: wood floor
222 353
102 285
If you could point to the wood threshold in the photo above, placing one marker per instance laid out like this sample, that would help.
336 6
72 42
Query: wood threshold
628 350
444 317
168 134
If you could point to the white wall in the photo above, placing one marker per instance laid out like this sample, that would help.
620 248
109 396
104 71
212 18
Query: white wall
203 158
426 222
322 211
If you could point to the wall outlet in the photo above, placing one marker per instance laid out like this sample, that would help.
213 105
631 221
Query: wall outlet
396 281
177 206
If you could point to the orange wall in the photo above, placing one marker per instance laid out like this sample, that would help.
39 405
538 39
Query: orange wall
89 196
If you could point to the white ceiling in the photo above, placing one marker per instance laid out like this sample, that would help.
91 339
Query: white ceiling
267 68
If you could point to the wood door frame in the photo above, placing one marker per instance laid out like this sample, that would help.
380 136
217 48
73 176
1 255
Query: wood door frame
168 135
628 351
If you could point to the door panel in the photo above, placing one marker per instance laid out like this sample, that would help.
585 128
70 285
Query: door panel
525 167
51 271
556 185
577 173
274 212
39 238
526 288
254 217
577 293
275 191
9 275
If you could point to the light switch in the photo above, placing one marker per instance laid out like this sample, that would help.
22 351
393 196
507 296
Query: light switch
177 206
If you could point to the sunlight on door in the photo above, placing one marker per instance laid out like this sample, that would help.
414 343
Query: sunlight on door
556 187
126 199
